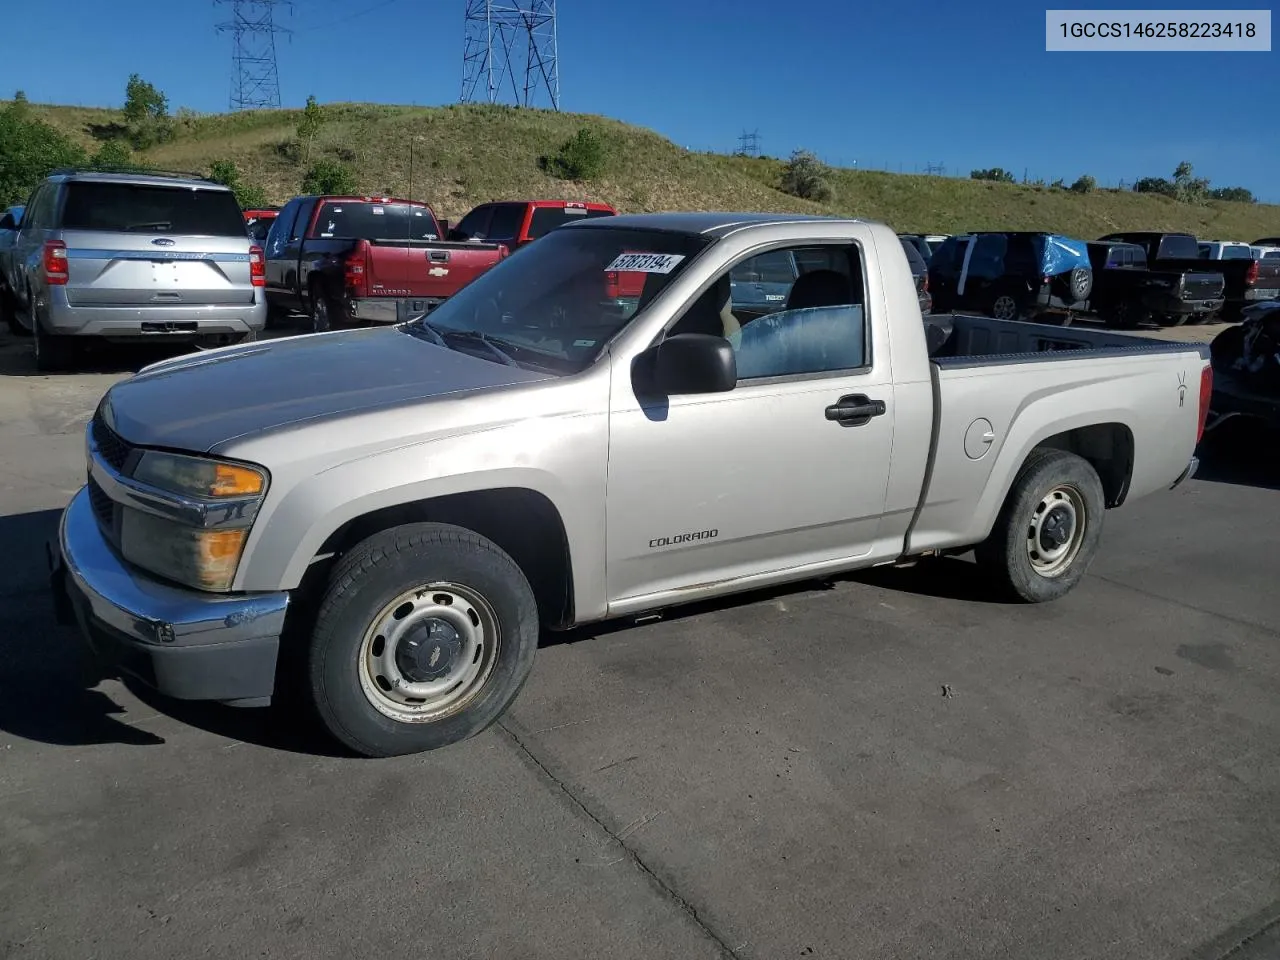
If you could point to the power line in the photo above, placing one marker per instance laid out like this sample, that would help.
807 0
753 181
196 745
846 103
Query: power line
349 17
502 39
255 76
749 143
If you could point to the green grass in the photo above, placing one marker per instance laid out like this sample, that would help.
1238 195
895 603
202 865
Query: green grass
467 154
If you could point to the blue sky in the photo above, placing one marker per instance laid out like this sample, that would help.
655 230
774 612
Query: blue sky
896 85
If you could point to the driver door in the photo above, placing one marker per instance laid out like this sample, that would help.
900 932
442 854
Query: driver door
718 488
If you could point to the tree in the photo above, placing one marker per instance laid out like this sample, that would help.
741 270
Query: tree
1235 194
582 157
329 177
112 155
29 150
995 174
1086 184
1188 188
807 177
309 126
1154 185
146 113
248 195
21 105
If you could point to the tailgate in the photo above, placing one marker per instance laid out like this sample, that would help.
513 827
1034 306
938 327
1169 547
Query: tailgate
428 270
137 245
1202 286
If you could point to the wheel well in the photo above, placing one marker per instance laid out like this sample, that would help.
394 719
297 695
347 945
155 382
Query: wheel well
522 522
1108 447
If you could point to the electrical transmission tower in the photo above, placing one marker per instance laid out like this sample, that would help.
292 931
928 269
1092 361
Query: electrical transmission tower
503 39
935 169
749 144
255 81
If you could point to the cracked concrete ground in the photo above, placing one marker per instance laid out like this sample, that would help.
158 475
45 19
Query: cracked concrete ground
891 765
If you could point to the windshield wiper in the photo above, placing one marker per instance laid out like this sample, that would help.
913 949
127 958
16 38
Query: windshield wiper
442 336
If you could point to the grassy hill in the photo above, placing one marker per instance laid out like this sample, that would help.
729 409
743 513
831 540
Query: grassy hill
466 154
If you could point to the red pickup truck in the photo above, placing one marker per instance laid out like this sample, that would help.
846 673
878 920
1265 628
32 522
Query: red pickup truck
518 222
366 259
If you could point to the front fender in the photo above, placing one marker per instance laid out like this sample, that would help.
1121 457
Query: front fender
565 462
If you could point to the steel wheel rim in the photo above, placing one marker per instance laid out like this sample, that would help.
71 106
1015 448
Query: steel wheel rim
1056 531
1004 308
429 652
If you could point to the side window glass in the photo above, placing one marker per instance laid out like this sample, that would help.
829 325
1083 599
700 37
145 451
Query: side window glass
988 256
506 222
473 225
299 226
277 236
817 327
34 218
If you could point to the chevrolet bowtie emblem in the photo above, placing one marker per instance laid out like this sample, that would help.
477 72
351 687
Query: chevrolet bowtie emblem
439 271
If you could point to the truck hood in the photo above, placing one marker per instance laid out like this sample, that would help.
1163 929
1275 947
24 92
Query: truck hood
198 401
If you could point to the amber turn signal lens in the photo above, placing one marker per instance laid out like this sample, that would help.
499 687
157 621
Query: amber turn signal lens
232 481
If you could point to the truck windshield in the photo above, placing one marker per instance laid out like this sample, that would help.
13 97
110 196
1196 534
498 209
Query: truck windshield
557 303
363 220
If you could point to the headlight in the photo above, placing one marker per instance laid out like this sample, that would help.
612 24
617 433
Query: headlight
198 477
203 557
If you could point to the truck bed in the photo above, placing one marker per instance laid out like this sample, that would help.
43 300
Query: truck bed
1003 387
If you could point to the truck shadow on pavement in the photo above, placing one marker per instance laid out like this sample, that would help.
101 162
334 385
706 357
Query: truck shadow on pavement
1241 453
49 693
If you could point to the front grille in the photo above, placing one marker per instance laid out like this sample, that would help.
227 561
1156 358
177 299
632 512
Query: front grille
111 447
103 508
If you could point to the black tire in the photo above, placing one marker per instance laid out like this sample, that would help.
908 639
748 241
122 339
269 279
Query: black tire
1173 319
320 311
998 302
1126 315
1079 285
1006 555
53 354
9 313
415 563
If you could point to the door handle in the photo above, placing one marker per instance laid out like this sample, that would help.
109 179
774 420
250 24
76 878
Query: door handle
855 410
438 256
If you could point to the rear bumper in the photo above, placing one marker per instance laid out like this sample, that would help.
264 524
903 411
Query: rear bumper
184 644
63 319
390 309
1169 304
1192 466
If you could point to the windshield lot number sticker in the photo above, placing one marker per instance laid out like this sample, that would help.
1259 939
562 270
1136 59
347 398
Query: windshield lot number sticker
645 263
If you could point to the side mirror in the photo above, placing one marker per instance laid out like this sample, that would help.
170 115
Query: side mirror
6 222
687 363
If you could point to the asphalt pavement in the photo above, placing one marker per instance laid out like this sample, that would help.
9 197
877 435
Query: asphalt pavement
889 765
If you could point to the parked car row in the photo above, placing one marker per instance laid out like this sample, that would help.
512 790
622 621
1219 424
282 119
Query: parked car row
129 256
1125 278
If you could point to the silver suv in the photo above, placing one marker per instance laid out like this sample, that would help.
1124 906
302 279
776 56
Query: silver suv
124 256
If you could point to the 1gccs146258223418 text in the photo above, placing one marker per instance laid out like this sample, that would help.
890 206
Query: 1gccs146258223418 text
1183 31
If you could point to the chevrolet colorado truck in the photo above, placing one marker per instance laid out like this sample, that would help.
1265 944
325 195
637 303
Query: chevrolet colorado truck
346 260
384 519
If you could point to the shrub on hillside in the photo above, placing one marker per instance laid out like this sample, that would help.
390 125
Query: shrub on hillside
146 113
1236 194
29 150
113 155
995 174
806 176
248 195
329 177
1086 184
582 157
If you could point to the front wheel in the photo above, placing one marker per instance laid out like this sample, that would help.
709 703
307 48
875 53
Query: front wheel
1005 306
1048 530
425 636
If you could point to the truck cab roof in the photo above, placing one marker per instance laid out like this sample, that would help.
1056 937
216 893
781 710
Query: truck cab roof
713 224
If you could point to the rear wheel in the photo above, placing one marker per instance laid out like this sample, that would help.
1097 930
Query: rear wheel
1048 529
321 311
54 354
1126 315
1005 306
9 313
426 634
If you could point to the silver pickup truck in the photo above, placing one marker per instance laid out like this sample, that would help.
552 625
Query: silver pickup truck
387 518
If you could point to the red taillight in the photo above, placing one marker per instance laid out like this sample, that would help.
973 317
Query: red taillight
1251 275
1206 395
257 267
355 270
55 263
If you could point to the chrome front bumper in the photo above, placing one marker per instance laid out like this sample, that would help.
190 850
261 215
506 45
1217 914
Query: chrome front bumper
185 644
